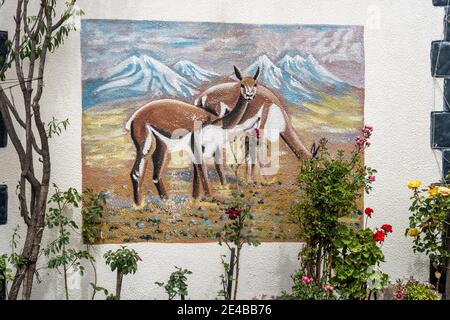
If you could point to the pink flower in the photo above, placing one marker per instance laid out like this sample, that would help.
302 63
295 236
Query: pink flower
307 280
328 288
361 142
367 131
399 296
371 178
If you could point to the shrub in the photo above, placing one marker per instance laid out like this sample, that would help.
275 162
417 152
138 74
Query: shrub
415 290
305 288
331 188
428 224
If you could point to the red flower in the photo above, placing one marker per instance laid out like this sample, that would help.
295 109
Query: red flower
387 228
233 213
368 212
379 236
399 296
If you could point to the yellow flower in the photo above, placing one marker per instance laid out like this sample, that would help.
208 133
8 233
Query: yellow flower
413 232
414 184
432 191
444 191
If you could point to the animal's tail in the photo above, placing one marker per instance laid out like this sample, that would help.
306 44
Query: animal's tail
293 141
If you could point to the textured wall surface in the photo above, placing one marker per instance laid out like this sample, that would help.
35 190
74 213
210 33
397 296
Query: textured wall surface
399 96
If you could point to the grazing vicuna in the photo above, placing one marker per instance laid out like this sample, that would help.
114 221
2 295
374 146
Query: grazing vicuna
166 126
275 122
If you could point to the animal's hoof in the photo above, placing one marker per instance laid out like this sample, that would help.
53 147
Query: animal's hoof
139 207
223 187
268 181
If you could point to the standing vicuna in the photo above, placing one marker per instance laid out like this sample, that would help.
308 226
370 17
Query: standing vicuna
275 122
166 126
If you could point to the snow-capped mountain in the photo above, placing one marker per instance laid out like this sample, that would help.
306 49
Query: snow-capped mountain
281 81
297 79
144 75
309 72
193 73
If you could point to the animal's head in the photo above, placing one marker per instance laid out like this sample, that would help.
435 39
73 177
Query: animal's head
248 84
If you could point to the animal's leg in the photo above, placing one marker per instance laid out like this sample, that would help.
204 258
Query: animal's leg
143 141
199 161
264 158
197 187
221 172
159 161
218 159
250 156
203 173
137 177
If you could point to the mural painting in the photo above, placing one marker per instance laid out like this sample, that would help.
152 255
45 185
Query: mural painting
180 117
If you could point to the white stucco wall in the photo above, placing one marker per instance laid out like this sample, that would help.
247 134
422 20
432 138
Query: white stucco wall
400 94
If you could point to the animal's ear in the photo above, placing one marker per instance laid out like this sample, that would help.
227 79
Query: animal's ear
314 150
237 73
256 74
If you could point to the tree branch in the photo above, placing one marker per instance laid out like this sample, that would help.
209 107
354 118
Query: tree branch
17 45
64 17
4 109
13 109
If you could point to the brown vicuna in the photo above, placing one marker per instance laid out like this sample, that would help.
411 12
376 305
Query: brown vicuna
166 126
275 122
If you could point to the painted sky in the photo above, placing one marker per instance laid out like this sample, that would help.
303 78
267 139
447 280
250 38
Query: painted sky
218 46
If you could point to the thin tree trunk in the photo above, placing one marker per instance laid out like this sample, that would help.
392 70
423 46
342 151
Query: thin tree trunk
230 274
30 253
3 289
119 284
33 213
319 263
22 271
94 292
66 287
236 281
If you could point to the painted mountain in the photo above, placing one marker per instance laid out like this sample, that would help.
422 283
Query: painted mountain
298 79
311 73
141 76
281 81
193 73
